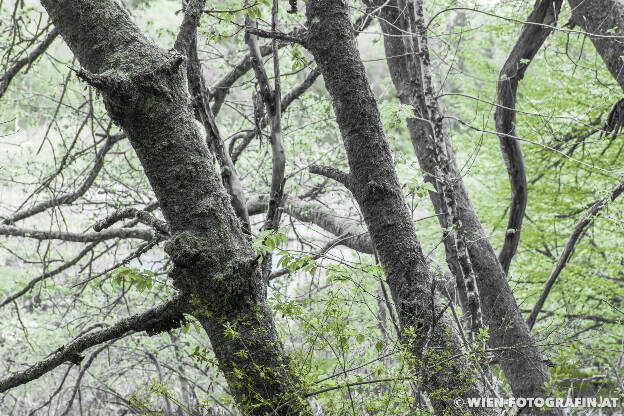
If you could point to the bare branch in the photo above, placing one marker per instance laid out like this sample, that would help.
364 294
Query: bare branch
257 65
349 233
286 37
332 173
49 274
271 96
76 237
69 198
221 89
287 99
569 247
8 76
145 321
143 217
361 23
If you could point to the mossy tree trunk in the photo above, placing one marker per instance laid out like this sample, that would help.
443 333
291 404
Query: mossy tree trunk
145 91
439 363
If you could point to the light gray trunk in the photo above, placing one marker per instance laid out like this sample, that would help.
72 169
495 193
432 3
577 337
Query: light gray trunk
517 353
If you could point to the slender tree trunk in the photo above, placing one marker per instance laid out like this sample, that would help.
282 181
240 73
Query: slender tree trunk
426 331
145 91
531 39
516 351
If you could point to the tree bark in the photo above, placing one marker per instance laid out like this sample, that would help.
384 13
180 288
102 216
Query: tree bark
145 91
374 184
517 353
532 37
603 20
186 43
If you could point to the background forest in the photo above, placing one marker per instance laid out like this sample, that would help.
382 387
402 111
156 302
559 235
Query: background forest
64 166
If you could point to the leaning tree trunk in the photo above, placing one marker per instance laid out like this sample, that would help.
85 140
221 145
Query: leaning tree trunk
145 91
373 181
604 19
517 353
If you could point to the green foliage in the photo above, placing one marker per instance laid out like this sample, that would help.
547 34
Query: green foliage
141 279
335 323
267 242
394 114
298 59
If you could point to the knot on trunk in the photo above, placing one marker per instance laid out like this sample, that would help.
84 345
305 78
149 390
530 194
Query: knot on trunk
217 276
126 92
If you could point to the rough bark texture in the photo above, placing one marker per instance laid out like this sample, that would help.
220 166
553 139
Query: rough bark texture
374 184
530 41
145 91
517 353
186 43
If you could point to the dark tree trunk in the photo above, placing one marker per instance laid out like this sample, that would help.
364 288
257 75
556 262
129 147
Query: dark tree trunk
374 184
518 355
532 37
145 92
604 18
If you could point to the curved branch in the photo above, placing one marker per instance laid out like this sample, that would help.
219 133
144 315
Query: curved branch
525 49
272 98
8 76
275 35
71 352
349 233
141 216
360 24
287 99
222 88
569 247
332 173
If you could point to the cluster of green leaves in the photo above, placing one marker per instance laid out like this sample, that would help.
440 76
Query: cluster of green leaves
294 262
267 242
141 279
297 58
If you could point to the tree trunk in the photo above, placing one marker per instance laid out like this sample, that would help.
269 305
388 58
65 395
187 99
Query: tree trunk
528 44
517 353
145 91
605 19
426 331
